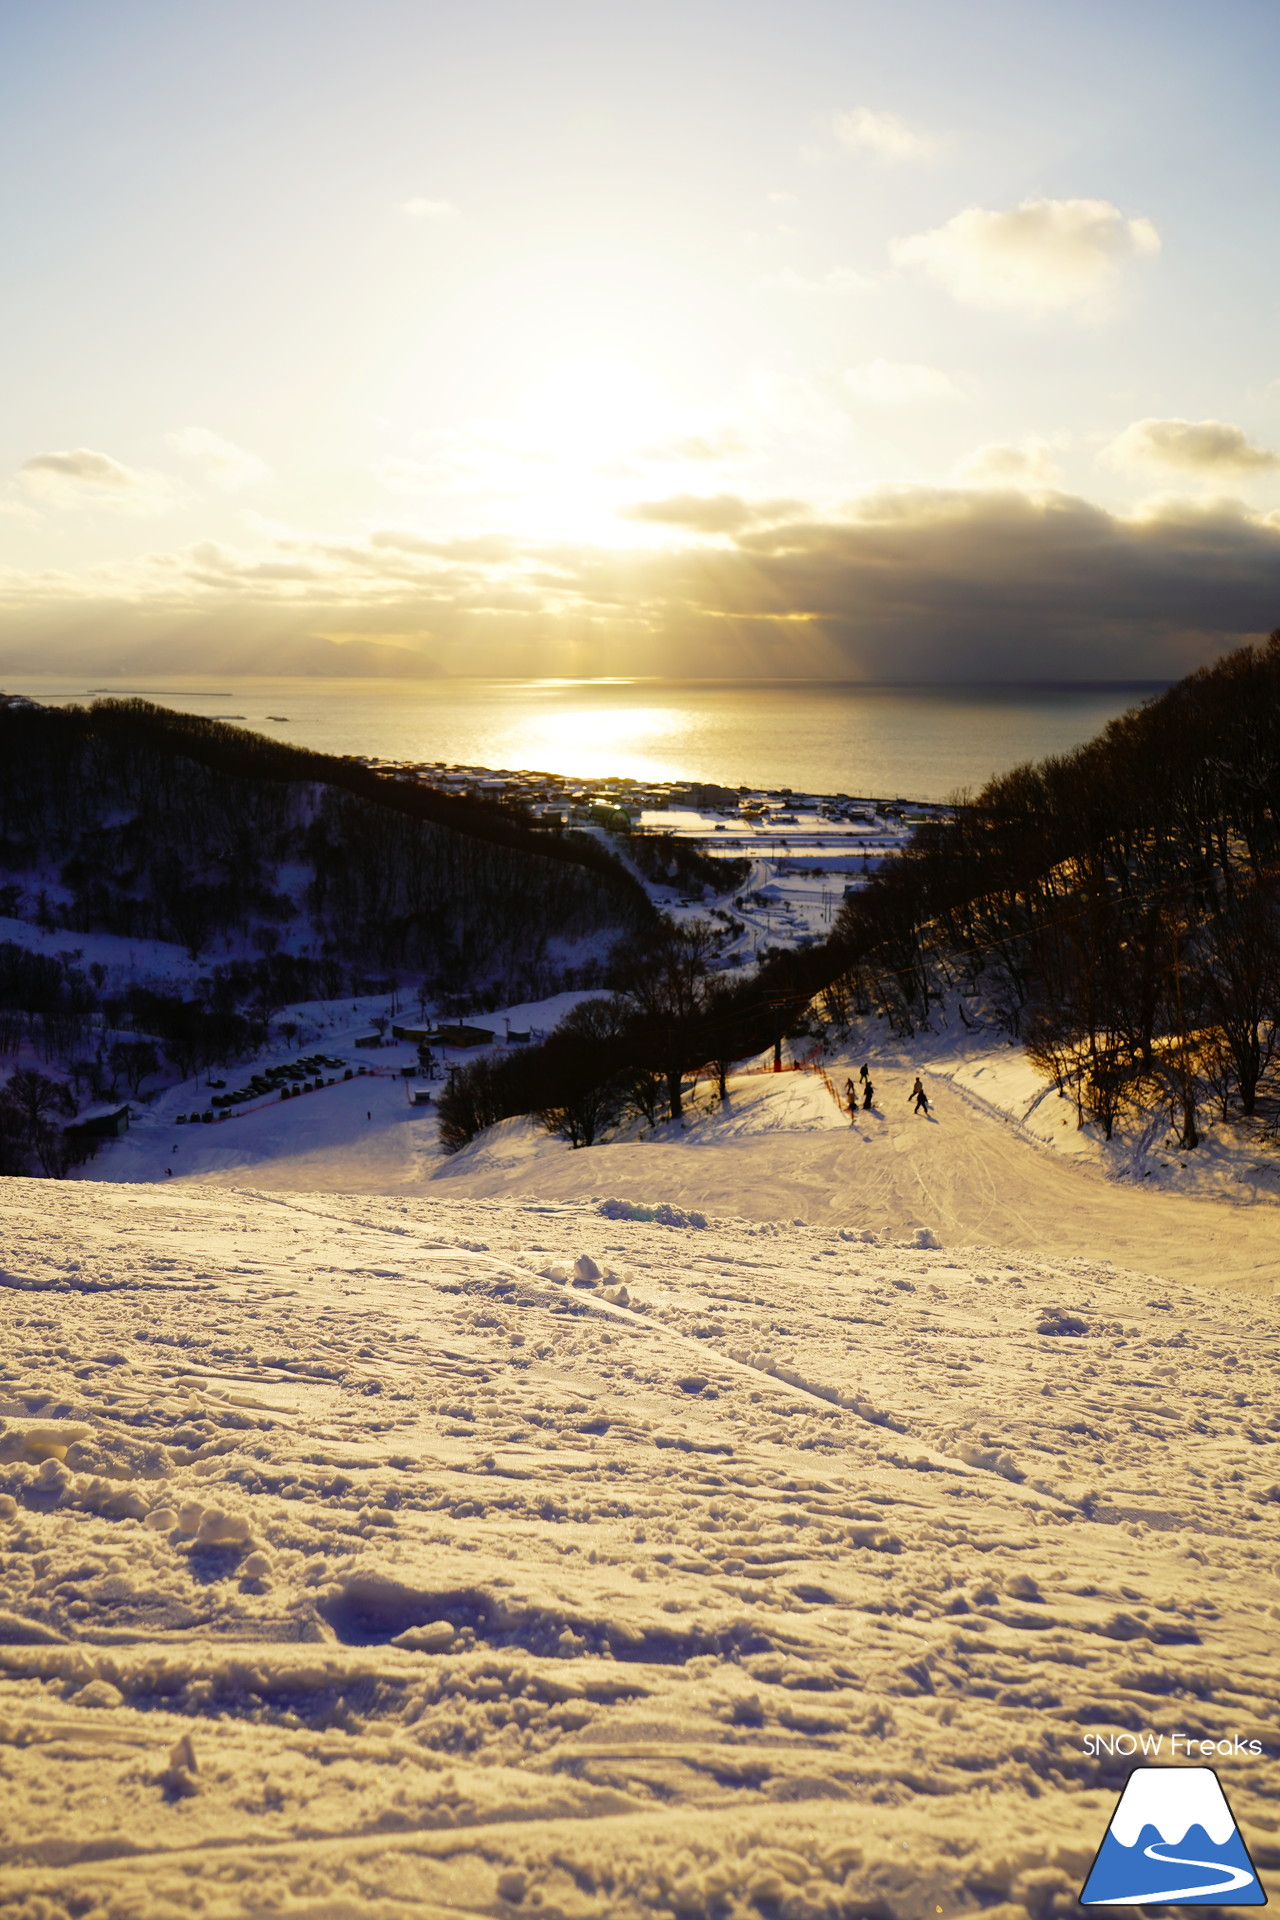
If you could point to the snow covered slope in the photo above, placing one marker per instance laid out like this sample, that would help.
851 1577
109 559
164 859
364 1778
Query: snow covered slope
355 1134
1235 1161
368 1557
962 1173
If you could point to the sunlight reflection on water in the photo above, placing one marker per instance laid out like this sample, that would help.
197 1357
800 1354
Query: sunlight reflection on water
642 743
923 743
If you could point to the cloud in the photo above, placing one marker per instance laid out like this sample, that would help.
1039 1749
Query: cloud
1044 256
1208 447
882 134
895 383
221 462
419 209
708 513
966 584
82 467
83 478
726 444
907 583
1023 463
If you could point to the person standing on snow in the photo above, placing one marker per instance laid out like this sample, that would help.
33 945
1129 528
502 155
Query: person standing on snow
864 1072
919 1095
850 1095
868 1096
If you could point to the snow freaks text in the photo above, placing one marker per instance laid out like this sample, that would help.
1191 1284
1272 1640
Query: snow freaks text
1155 1745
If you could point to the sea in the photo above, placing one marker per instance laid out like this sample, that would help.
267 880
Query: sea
909 742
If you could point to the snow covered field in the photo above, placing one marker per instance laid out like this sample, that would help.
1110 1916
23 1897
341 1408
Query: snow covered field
369 1557
359 1134
801 867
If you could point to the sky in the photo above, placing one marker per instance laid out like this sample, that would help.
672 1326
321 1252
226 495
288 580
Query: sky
920 341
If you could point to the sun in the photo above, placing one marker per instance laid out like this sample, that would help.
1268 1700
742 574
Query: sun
569 444
565 454
593 407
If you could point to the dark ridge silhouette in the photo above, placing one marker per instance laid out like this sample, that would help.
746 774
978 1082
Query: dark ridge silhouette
128 819
1116 908
137 726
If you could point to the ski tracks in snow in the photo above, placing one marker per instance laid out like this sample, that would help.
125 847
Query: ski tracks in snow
717 1580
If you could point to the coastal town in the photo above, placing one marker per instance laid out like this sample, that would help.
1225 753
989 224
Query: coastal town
559 800
802 852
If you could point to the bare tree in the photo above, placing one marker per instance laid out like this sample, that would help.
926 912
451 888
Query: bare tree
32 1109
35 1097
1240 975
666 980
135 1059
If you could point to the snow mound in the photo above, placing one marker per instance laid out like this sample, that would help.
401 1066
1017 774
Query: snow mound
1055 1324
661 1212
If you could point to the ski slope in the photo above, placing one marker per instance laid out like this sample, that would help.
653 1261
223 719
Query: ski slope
761 1518
781 1148
965 1175
439 1555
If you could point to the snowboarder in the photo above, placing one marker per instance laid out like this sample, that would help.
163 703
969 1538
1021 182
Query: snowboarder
868 1096
919 1095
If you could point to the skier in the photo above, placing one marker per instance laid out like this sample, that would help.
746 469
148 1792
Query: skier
864 1072
919 1095
868 1096
850 1096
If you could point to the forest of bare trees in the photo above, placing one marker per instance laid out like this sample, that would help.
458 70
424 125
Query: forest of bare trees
286 876
670 1015
129 819
1116 909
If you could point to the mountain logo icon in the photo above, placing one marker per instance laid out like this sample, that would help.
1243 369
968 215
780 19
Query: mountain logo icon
1173 1842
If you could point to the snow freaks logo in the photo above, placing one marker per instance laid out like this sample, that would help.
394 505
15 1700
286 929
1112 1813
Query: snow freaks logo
1173 1841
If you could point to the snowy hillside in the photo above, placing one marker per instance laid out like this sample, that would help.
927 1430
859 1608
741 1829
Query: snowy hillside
377 1557
277 866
